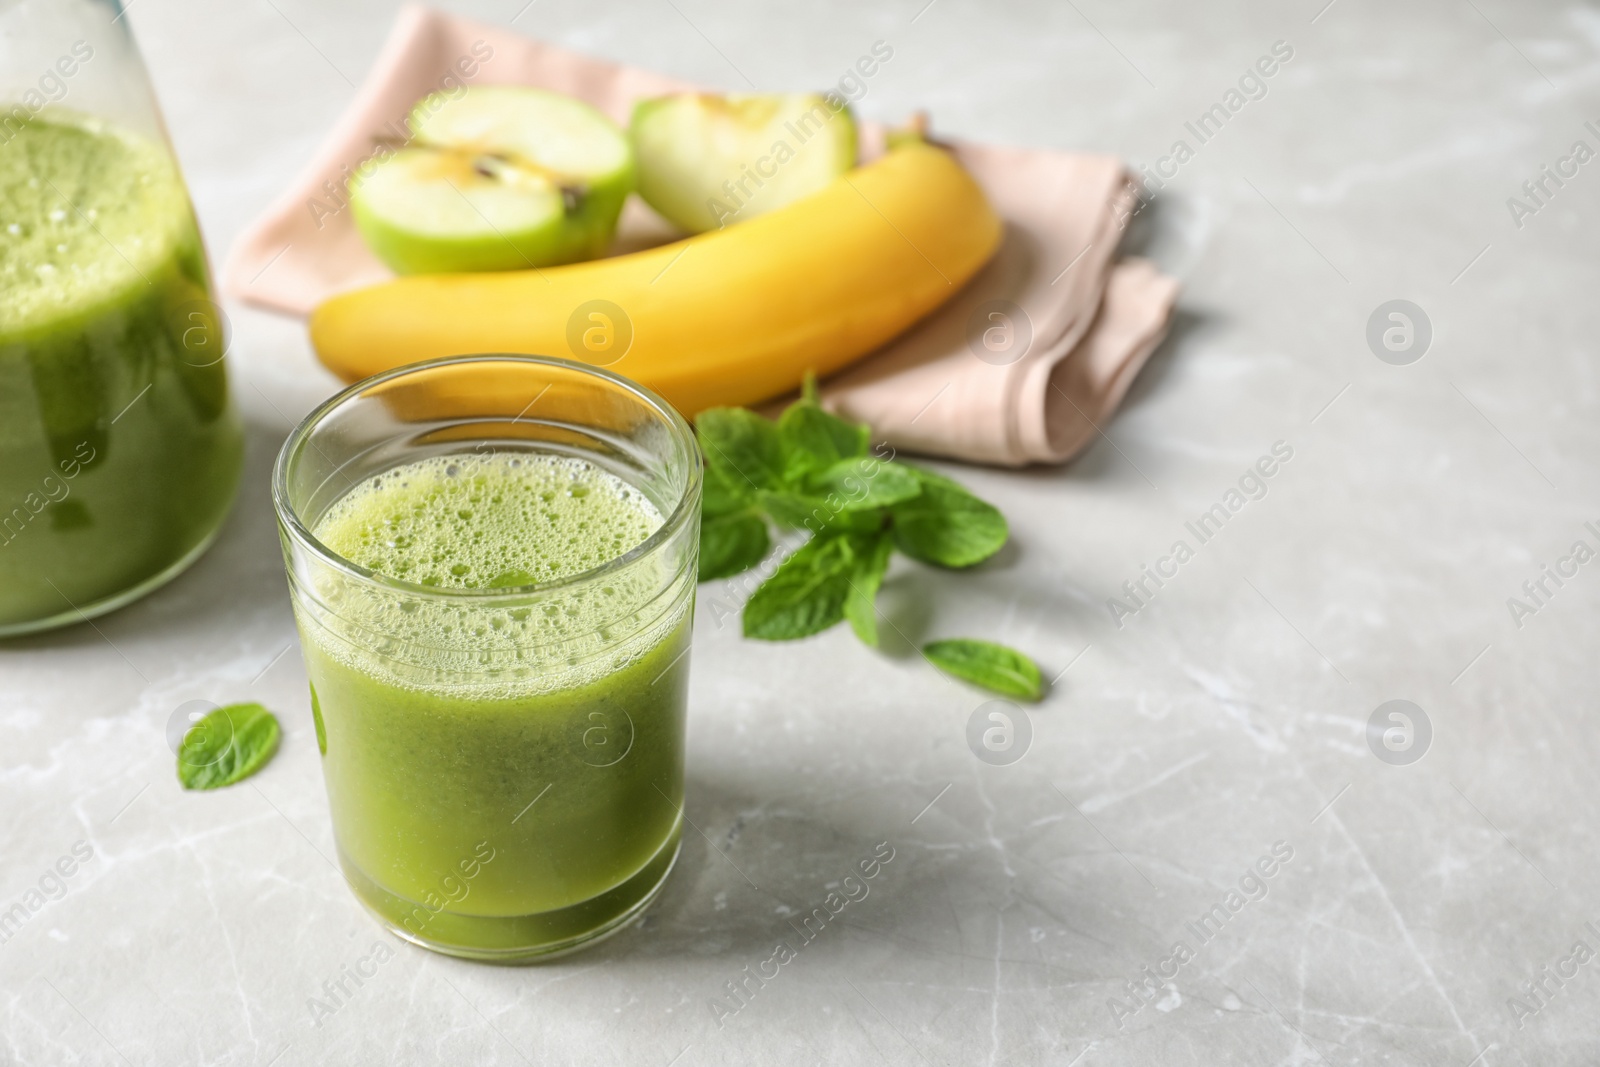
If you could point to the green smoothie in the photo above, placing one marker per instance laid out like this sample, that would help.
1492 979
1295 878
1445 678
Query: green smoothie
504 771
119 447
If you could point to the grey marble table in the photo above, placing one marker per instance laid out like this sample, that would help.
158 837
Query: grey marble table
1105 899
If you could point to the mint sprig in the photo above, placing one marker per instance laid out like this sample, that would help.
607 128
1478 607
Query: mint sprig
811 470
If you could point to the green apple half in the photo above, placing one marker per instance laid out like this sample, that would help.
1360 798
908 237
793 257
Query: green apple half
707 160
495 178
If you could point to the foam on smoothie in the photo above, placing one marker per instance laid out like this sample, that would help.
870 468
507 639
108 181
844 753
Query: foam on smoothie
476 522
483 522
88 212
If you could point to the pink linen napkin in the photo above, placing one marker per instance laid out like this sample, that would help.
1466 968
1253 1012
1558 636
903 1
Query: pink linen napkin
1021 366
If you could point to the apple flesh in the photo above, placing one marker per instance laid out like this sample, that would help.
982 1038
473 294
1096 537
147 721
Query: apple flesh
707 160
496 178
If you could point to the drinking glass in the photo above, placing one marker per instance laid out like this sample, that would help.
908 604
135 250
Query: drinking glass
505 782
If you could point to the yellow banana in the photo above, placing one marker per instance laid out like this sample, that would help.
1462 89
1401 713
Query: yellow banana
734 316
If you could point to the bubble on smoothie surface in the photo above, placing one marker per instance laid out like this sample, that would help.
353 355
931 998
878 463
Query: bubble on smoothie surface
488 522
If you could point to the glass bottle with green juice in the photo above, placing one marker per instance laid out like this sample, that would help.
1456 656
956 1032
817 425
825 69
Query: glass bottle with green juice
492 564
120 448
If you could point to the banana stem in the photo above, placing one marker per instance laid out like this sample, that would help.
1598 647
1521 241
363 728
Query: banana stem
915 131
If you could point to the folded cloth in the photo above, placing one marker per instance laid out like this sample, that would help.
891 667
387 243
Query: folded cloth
1017 368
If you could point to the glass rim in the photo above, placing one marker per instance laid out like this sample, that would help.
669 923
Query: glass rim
289 518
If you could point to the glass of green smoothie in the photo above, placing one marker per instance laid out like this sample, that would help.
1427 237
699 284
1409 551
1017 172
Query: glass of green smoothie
120 448
492 565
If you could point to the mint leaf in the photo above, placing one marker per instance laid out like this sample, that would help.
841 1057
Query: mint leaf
806 594
732 543
795 511
994 667
864 482
859 605
227 746
743 446
801 511
814 440
946 525
722 493
316 720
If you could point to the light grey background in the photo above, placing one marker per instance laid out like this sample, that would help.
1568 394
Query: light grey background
1227 715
